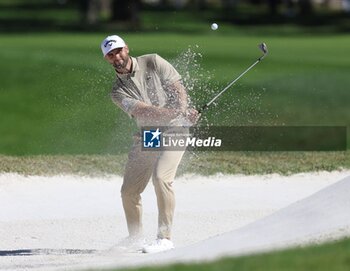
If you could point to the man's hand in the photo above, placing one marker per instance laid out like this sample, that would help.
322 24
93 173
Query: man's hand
192 115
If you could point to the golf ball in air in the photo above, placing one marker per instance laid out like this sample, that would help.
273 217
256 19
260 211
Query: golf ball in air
214 26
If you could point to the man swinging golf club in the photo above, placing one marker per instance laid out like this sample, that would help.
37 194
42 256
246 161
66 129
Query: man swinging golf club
148 89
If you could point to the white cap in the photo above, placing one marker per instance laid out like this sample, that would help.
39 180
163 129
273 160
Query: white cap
110 43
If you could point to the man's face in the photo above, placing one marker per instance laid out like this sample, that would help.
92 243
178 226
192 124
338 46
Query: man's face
118 57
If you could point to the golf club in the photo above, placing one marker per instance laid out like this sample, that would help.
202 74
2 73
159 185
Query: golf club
263 48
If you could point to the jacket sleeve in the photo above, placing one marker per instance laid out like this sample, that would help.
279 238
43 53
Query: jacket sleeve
124 101
166 71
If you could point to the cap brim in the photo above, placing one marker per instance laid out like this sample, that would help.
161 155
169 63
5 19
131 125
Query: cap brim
111 44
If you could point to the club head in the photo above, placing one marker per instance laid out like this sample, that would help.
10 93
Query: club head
263 48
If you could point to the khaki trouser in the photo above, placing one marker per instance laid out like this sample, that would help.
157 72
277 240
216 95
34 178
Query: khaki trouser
141 165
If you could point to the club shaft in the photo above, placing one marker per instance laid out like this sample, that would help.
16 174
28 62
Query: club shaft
230 84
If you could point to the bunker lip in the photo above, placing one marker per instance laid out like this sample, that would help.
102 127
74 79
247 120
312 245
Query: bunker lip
69 222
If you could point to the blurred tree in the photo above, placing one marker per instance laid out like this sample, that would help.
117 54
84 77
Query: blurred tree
346 6
229 7
198 4
305 7
126 10
290 8
273 4
106 9
89 10
229 4
163 3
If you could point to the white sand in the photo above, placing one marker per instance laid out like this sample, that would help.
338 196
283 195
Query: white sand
71 222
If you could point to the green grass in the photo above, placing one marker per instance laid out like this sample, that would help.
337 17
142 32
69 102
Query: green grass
54 92
205 163
44 165
333 256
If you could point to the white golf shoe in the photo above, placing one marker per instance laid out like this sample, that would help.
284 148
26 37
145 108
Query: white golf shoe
158 245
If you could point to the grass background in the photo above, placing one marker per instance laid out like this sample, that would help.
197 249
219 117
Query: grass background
54 94
205 163
54 90
55 87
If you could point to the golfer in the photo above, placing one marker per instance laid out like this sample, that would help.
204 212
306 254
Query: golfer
148 89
